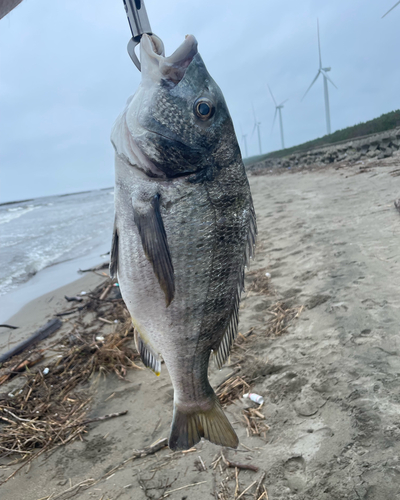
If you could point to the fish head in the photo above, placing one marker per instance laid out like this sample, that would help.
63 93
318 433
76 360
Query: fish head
177 123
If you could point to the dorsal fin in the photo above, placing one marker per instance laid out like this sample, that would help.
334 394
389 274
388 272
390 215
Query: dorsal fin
155 245
222 353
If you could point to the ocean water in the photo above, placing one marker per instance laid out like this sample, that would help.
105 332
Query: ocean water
50 231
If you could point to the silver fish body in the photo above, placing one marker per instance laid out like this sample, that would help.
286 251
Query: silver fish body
184 231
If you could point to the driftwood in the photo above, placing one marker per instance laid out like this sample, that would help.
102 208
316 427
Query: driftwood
104 265
50 327
73 299
31 360
72 311
228 463
150 450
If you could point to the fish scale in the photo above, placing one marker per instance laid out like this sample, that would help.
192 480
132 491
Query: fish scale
184 230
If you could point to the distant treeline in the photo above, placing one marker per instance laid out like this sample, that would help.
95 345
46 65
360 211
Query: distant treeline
384 122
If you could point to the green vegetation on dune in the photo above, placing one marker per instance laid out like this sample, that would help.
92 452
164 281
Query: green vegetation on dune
387 121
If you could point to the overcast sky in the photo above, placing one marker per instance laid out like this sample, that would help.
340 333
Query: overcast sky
65 75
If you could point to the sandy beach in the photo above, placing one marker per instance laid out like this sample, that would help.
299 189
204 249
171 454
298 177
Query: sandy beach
329 427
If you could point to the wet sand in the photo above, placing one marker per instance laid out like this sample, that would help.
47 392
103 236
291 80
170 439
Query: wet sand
330 239
37 312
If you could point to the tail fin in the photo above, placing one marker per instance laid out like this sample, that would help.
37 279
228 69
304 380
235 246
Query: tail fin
189 426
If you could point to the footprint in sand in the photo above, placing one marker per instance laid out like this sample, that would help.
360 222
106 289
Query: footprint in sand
308 444
308 402
295 474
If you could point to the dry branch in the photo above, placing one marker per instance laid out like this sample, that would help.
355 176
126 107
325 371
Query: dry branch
232 389
234 465
254 422
43 332
150 450
259 485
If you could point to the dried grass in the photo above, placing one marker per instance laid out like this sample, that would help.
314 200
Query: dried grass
49 410
232 389
260 282
282 315
255 422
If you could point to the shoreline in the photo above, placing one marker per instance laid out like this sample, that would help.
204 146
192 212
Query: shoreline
36 312
14 202
47 280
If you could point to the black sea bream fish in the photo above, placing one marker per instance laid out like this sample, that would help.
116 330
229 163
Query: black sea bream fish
184 230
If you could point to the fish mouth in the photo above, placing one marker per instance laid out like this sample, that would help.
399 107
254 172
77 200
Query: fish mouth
156 66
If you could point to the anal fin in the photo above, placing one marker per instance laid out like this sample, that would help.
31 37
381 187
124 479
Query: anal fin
229 336
149 357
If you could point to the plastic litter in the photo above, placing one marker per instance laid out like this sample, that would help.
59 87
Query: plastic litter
46 371
267 275
254 397
100 339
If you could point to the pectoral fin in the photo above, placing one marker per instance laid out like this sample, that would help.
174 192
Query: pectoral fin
114 252
155 245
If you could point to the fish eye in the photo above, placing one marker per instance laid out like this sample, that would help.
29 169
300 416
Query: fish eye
204 108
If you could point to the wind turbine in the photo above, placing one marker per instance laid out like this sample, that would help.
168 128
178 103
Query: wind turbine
278 110
390 10
323 71
257 126
244 141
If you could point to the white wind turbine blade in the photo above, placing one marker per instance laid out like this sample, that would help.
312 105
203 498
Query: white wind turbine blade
272 95
282 103
319 46
254 114
255 126
327 77
273 122
312 83
391 9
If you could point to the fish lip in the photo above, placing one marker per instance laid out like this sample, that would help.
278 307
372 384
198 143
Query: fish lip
173 67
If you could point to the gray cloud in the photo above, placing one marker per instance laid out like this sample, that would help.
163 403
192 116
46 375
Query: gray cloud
65 76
